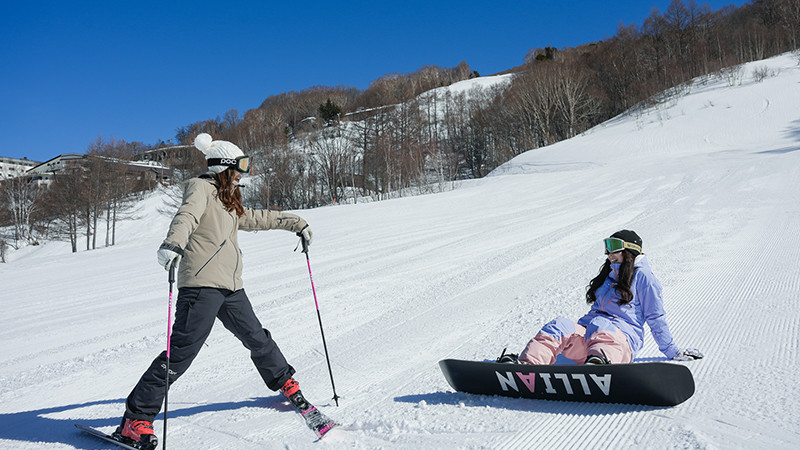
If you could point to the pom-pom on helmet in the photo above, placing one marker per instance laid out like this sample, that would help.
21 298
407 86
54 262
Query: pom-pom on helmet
221 155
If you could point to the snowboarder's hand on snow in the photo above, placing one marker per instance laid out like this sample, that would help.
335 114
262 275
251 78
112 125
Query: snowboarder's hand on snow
688 354
169 254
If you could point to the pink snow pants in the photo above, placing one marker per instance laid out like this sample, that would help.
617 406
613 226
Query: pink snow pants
571 340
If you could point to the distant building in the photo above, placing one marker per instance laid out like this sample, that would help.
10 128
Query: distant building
43 173
13 167
163 154
148 172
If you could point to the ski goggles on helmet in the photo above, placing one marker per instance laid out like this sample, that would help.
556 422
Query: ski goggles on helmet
241 164
614 245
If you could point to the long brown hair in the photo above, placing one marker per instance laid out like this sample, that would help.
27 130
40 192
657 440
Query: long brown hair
624 279
228 193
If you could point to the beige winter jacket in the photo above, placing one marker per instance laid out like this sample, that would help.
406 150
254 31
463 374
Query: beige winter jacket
207 233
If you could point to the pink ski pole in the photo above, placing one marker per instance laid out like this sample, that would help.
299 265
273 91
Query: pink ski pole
319 317
169 345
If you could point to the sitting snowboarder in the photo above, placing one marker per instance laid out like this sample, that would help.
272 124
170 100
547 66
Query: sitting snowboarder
623 297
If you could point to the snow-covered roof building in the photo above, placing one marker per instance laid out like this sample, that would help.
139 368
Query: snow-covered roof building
14 167
44 173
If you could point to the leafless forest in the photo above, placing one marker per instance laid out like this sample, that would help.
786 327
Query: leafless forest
326 145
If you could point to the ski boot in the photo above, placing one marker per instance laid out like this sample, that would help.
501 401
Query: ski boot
290 388
319 423
136 433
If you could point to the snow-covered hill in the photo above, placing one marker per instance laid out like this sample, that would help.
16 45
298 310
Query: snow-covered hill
711 181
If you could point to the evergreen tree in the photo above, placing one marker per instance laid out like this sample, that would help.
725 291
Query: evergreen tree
329 111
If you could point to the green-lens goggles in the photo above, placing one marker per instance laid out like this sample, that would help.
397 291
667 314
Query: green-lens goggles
614 245
241 164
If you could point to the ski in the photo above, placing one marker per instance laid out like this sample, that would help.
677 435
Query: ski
318 422
110 438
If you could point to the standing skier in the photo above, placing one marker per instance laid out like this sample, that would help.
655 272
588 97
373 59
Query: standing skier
624 296
202 238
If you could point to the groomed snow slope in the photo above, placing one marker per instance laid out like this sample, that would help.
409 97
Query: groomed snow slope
710 181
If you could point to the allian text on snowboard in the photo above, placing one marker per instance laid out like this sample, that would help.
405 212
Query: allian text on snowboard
600 384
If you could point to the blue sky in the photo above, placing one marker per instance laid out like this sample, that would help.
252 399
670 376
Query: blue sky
72 71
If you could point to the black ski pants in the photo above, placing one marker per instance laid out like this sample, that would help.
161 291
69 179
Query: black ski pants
196 310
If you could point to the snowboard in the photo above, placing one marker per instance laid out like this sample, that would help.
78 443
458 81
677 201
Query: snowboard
649 383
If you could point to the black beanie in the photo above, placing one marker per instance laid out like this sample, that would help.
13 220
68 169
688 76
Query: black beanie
629 236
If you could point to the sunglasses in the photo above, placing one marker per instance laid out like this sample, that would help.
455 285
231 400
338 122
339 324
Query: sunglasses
241 164
614 245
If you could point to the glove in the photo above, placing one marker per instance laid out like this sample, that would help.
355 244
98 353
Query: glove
306 234
687 354
169 254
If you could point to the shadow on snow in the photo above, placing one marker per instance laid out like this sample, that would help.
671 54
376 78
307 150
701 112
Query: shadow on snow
465 400
35 426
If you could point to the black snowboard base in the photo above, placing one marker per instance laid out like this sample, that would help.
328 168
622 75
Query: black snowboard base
651 383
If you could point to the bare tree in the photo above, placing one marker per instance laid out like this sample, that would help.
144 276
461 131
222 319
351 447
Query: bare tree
330 151
536 97
790 19
21 198
576 106
65 201
113 184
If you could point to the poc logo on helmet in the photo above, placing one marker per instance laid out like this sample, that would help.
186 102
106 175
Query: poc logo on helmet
227 161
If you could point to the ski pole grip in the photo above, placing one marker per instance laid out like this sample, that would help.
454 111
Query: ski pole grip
303 240
172 272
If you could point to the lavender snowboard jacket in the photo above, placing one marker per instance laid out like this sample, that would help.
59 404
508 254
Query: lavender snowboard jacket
647 307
